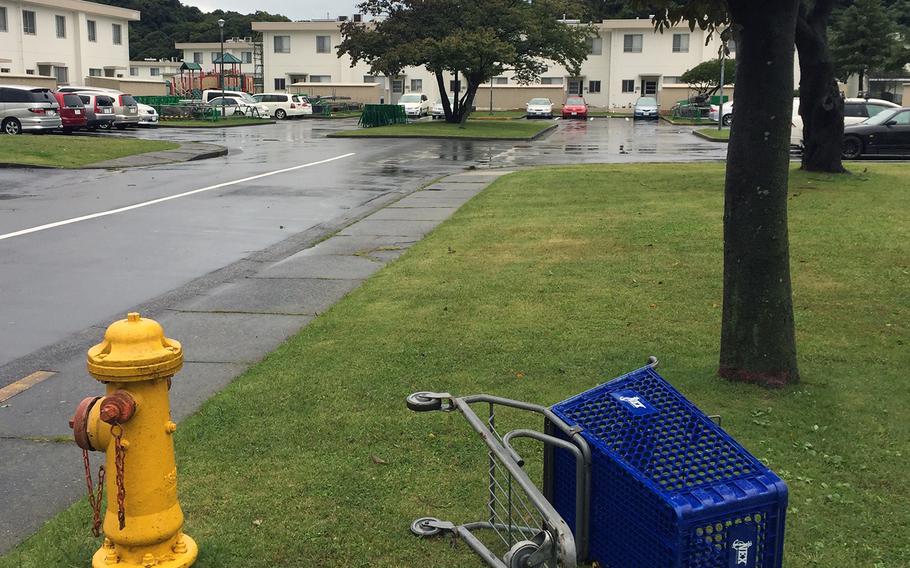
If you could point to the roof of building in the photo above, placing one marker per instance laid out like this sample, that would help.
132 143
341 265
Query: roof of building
213 45
190 66
146 63
88 8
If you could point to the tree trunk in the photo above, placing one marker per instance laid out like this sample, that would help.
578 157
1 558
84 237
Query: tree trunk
444 96
468 102
757 334
820 103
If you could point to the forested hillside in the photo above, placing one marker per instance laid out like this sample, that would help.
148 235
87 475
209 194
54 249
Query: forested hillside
167 21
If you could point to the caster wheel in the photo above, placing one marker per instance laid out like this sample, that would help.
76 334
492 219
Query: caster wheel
421 527
518 555
420 402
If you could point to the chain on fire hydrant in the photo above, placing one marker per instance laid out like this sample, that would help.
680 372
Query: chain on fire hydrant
132 424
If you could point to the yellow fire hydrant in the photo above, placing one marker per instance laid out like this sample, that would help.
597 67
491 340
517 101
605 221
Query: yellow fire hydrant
132 424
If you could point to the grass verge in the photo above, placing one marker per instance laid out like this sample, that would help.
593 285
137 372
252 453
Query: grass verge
60 151
548 283
714 134
497 114
688 121
488 130
221 123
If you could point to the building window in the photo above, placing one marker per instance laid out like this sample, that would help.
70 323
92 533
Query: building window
28 22
3 27
246 56
29 71
60 73
631 43
370 79
215 55
595 46
155 71
671 80
628 85
680 43
416 85
320 78
92 30
551 80
323 44
500 80
454 85
111 73
117 32
280 84
4 69
45 71
282 44
593 86
198 57
100 72
134 71
61 25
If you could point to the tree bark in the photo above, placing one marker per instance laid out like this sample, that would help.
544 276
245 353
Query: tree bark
820 103
468 102
757 333
444 96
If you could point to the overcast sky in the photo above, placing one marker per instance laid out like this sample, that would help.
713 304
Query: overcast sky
294 9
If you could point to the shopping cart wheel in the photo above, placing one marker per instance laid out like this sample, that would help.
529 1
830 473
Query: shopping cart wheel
518 555
420 402
422 526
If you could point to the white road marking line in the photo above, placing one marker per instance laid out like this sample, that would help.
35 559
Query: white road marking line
163 199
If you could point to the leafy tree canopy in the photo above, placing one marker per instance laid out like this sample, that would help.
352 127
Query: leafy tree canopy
165 22
466 38
863 39
705 76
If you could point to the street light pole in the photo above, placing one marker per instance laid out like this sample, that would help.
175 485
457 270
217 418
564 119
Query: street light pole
720 113
221 81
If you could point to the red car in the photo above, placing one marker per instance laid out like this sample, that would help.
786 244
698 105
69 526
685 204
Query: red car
72 111
575 107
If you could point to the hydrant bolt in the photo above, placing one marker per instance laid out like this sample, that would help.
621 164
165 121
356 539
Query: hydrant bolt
118 408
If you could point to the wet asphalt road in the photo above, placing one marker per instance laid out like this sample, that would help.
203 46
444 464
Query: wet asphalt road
59 281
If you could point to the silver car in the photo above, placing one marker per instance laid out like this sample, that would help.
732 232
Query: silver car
28 109
646 107
126 109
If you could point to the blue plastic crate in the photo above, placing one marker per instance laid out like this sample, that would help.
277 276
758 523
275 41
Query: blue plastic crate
669 488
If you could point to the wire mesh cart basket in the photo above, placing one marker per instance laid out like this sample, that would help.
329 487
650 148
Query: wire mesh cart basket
634 476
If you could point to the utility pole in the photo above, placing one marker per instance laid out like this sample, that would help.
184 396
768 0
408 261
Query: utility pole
720 113
221 81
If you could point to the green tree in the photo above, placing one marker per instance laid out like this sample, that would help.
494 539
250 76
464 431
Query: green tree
862 40
471 39
705 77
757 342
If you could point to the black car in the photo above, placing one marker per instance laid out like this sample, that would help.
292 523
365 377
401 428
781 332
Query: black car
888 132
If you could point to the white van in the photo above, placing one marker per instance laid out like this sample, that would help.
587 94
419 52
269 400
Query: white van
284 105
210 94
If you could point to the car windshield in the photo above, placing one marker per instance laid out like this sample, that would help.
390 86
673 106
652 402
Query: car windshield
575 101
646 101
539 102
409 99
881 118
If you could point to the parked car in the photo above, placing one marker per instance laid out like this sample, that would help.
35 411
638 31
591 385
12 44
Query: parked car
126 111
284 105
415 104
575 107
209 94
234 106
99 110
646 107
438 112
148 116
72 111
725 115
539 108
28 109
888 132
856 110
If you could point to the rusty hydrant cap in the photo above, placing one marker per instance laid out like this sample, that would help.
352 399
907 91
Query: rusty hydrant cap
134 349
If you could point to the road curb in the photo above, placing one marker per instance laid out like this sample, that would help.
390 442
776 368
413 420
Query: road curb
214 125
547 130
708 138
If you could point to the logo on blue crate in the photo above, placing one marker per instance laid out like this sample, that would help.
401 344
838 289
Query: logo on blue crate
634 402
742 551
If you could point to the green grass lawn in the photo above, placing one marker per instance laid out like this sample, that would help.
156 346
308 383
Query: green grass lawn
497 114
548 283
220 123
722 135
688 121
489 129
61 151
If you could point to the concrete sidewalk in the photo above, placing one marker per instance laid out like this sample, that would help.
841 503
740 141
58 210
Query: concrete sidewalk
224 329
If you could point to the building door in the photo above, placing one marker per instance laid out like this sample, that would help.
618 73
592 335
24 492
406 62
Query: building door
576 85
397 89
649 86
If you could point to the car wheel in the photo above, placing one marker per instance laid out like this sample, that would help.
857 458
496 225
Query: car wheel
12 126
727 120
280 114
106 125
851 148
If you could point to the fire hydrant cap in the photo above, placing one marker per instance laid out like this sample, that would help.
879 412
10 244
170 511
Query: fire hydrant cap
134 349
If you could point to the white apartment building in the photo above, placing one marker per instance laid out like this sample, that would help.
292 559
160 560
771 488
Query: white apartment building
206 54
628 59
153 69
65 39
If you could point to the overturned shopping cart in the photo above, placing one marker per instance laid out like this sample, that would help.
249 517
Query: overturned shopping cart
633 476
